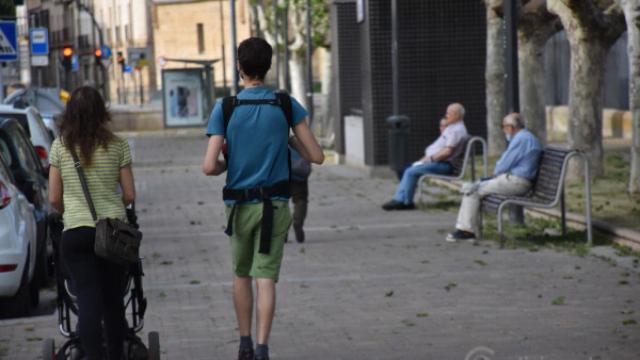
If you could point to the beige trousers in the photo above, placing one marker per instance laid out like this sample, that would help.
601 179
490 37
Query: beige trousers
504 184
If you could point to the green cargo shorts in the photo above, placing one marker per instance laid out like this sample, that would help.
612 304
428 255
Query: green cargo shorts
245 240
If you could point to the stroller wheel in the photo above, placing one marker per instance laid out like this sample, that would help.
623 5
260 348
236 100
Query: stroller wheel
154 345
49 350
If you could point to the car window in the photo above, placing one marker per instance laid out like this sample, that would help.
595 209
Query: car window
22 154
22 119
42 127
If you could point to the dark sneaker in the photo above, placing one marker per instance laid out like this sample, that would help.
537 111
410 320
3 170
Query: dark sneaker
299 234
245 354
261 358
410 206
396 205
461 235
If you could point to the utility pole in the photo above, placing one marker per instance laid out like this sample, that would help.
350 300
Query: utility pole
275 40
285 36
398 124
224 60
234 46
96 26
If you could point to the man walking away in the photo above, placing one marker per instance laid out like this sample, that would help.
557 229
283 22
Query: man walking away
255 125
514 174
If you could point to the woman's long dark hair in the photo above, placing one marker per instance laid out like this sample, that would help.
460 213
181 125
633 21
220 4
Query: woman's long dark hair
84 123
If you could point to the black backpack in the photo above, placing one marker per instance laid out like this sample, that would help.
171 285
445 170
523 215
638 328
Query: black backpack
282 100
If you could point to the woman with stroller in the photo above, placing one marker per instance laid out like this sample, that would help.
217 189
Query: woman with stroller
106 161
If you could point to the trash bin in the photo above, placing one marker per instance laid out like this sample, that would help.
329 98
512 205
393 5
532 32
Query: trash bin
398 131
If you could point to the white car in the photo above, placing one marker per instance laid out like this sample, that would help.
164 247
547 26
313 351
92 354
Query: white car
18 290
34 126
52 123
46 100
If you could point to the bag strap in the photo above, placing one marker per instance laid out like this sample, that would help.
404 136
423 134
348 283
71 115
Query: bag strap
83 183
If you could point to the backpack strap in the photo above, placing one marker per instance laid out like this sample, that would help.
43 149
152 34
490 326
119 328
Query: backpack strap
284 101
228 104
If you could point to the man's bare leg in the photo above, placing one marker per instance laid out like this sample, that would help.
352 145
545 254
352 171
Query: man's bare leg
266 304
243 302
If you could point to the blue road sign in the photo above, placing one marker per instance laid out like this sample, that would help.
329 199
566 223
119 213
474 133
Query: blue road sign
39 39
8 41
106 52
75 65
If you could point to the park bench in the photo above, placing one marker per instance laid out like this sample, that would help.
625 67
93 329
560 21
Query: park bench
547 190
460 164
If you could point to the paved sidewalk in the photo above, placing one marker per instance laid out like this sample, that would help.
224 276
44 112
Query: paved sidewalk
367 285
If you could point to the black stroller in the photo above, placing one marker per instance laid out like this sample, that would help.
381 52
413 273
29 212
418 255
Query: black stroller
135 304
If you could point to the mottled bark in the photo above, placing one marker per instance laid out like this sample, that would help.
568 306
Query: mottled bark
585 101
631 10
536 25
494 76
297 61
592 27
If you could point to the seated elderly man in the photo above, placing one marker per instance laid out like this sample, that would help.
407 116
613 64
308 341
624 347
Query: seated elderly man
513 175
436 162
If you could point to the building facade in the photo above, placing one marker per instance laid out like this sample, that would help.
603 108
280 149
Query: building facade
199 30
126 29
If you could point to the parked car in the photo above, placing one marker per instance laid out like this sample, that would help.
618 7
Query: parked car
31 179
19 289
46 100
34 126
52 122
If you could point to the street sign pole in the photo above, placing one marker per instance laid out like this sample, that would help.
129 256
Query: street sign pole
224 59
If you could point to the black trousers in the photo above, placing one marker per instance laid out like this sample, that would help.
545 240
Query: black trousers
300 200
99 288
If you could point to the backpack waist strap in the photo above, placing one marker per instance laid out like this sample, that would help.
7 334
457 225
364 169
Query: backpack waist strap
263 194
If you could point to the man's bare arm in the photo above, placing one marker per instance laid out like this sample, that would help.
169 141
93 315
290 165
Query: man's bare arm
305 143
211 165
442 154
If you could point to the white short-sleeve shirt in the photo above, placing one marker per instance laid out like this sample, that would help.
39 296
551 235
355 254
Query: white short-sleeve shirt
450 137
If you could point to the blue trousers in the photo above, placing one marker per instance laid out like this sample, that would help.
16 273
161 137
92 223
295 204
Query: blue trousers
407 187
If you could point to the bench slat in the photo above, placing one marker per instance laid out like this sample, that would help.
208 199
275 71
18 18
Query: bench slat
546 186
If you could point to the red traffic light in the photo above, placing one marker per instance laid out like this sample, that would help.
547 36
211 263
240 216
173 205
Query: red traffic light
98 53
67 51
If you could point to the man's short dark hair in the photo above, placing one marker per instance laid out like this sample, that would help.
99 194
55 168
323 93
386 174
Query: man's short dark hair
254 57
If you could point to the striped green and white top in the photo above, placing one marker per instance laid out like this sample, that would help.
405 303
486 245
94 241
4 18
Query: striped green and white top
102 178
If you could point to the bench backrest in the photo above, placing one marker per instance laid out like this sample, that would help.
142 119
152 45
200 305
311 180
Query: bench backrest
457 158
549 178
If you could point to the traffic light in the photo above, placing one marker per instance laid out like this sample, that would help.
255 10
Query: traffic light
98 54
67 54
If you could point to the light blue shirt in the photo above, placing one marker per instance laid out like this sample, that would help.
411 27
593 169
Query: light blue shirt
522 156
